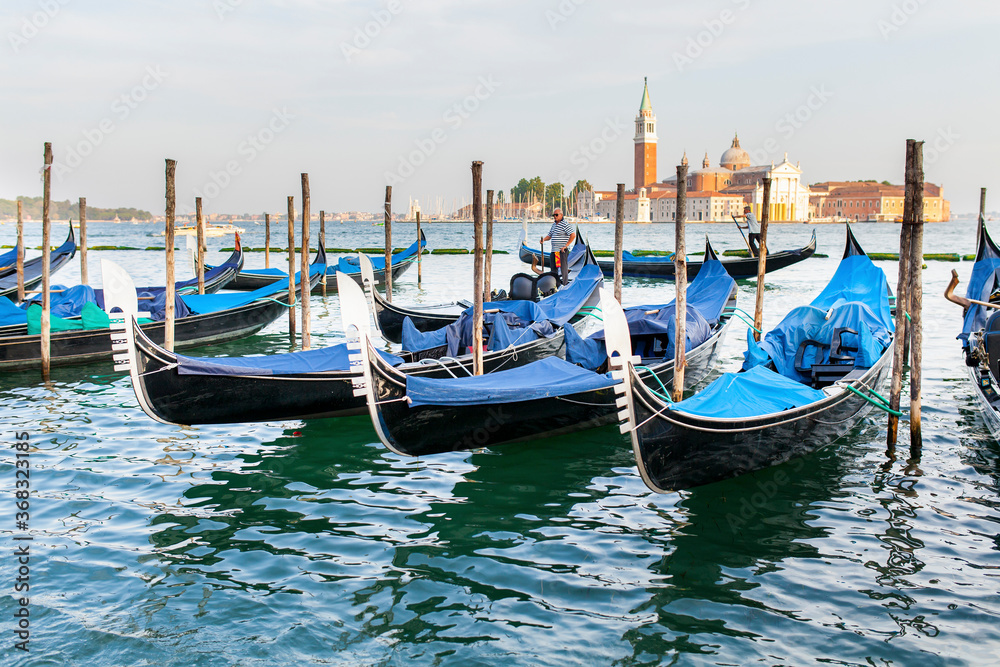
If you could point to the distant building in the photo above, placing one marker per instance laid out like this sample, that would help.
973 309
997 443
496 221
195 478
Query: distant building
872 202
645 142
702 206
414 209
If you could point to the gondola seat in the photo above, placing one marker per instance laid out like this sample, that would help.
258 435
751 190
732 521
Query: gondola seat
527 288
840 360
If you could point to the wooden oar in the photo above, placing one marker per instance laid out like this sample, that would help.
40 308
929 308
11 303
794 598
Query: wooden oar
949 293
745 239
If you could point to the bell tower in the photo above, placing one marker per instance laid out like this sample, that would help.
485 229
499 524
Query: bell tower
645 142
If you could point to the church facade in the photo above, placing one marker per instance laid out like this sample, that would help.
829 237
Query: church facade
714 194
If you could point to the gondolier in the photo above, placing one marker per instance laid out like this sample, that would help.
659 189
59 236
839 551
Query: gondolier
562 236
753 227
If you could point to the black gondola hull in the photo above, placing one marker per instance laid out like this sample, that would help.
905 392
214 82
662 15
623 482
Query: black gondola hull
247 282
739 268
679 451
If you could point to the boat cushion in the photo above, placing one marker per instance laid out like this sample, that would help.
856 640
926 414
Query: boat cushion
540 379
758 391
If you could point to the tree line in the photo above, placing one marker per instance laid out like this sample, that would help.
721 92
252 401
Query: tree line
66 210
552 195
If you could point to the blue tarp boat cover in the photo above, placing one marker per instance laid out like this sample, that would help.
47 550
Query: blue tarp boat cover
857 297
557 310
323 360
11 314
652 327
758 391
984 280
212 303
8 260
540 379
629 257
350 264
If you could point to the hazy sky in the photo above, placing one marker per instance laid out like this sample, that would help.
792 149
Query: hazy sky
247 94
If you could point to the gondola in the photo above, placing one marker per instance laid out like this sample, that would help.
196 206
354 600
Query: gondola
214 318
740 268
252 279
389 318
33 267
811 380
177 389
981 327
420 416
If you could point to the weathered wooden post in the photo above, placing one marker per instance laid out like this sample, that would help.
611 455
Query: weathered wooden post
304 271
420 251
200 263
477 283
84 280
291 270
267 240
619 239
20 251
488 257
322 244
388 244
982 206
915 220
899 348
168 238
680 280
765 217
46 256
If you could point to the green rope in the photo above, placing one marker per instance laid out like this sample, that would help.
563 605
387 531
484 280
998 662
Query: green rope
659 382
280 303
744 317
907 316
882 405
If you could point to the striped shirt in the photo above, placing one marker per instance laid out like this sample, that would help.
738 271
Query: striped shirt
560 233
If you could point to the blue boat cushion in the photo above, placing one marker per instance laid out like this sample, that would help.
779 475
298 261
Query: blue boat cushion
327 359
562 306
540 379
758 391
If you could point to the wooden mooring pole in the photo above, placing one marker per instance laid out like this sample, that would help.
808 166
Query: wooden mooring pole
200 257
420 251
46 257
267 240
304 280
388 244
84 279
899 348
291 270
20 251
680 280
619 239
168 239
915 220
765 217
982 206
488 257
322 244
477 264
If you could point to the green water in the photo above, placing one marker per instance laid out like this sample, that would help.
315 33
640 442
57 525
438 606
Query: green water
308 542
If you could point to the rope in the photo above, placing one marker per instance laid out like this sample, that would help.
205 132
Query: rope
881 404
744 317
658 381
280 303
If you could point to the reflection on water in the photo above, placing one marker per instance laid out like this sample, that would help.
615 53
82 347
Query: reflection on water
304 542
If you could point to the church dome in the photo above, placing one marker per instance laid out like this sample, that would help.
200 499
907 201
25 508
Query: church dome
735 157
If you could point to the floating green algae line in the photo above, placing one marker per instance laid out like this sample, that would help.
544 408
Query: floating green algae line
450 251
